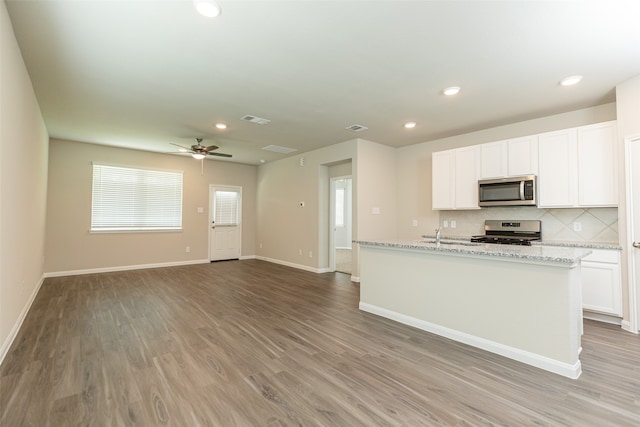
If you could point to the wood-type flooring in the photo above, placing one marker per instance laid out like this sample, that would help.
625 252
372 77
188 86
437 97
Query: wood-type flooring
251 343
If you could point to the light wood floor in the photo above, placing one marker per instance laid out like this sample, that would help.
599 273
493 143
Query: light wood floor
249 343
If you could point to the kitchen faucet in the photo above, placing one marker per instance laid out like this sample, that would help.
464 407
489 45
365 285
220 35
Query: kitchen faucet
438 235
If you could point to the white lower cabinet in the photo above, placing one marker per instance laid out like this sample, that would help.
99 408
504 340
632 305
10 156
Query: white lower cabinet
601 282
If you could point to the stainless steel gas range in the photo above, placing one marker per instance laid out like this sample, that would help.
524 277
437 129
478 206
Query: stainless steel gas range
510 232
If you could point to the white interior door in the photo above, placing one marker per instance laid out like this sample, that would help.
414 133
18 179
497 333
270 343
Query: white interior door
225 232
633 205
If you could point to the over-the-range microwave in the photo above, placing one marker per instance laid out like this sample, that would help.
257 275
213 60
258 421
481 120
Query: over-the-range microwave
512 191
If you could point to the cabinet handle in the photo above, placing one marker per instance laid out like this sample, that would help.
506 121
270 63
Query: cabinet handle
636 245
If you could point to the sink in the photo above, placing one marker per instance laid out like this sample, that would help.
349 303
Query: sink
450 242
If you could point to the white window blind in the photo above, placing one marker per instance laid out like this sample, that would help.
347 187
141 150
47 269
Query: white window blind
128 199
339 207
226 208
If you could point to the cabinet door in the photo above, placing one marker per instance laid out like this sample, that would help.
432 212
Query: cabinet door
557 177
442 180
467 164
597 171
493 160
601 288
523 156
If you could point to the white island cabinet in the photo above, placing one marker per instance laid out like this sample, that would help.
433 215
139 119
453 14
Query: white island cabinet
521 302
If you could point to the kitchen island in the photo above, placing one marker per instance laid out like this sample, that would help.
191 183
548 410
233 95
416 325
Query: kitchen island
522 302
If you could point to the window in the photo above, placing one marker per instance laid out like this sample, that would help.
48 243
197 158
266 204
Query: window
339 207
226 208
128 199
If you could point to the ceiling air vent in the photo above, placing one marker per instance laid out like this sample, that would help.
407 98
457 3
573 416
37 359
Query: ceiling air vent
356 128
256 120
279 149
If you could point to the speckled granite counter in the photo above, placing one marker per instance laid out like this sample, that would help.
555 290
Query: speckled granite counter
584 245
569 255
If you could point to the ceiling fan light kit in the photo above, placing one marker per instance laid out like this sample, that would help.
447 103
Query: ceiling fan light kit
199 151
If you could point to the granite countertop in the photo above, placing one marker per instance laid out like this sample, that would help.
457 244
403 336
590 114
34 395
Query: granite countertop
567 244
458 246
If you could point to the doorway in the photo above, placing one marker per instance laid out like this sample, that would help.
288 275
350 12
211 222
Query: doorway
225 231
632 147
341 223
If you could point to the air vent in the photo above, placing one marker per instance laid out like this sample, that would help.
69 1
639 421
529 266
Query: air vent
356 128
279 149
256 120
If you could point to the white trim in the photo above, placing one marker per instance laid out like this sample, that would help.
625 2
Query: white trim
601 317
6 345
291 264
124 268
243 257
633 324
355 279
542 362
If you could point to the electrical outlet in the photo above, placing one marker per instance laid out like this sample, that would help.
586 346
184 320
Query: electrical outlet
445 223
310 254
299 251
453 223
260 245
577 226
200 210
414 223
187 249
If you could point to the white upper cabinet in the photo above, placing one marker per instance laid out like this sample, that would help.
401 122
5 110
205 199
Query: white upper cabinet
513 157
493 160
442 176
522 156
578 167
557 179
467 163
455 178
597 177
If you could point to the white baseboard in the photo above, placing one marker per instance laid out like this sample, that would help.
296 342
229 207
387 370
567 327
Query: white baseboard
613 320
542 362
355 279
247 257
291 264
6 345
626 325
124 268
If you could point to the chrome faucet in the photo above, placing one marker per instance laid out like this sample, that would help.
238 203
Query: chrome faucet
438 235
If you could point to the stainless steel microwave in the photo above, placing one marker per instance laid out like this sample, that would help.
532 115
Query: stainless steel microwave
512 191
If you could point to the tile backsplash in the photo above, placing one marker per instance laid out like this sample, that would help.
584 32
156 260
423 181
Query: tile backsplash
598 225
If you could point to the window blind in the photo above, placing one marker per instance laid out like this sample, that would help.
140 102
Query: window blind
226 209
126 199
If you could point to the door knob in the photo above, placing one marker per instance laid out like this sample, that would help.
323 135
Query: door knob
636 245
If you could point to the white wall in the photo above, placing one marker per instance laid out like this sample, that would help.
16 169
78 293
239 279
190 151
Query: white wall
71 248
284 229
23 186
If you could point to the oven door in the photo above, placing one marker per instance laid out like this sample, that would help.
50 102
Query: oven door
517 191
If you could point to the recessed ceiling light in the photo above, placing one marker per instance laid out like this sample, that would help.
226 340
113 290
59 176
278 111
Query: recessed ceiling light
453 90
208 8
410 125
570 81
221 125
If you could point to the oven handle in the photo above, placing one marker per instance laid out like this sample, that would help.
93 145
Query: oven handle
522 190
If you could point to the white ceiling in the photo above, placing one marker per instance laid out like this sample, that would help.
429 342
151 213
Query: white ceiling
144 74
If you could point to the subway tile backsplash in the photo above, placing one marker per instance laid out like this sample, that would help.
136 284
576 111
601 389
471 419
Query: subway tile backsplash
598 225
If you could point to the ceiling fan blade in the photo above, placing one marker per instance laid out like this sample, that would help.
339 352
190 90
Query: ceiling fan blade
219 154
210 148
180 146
